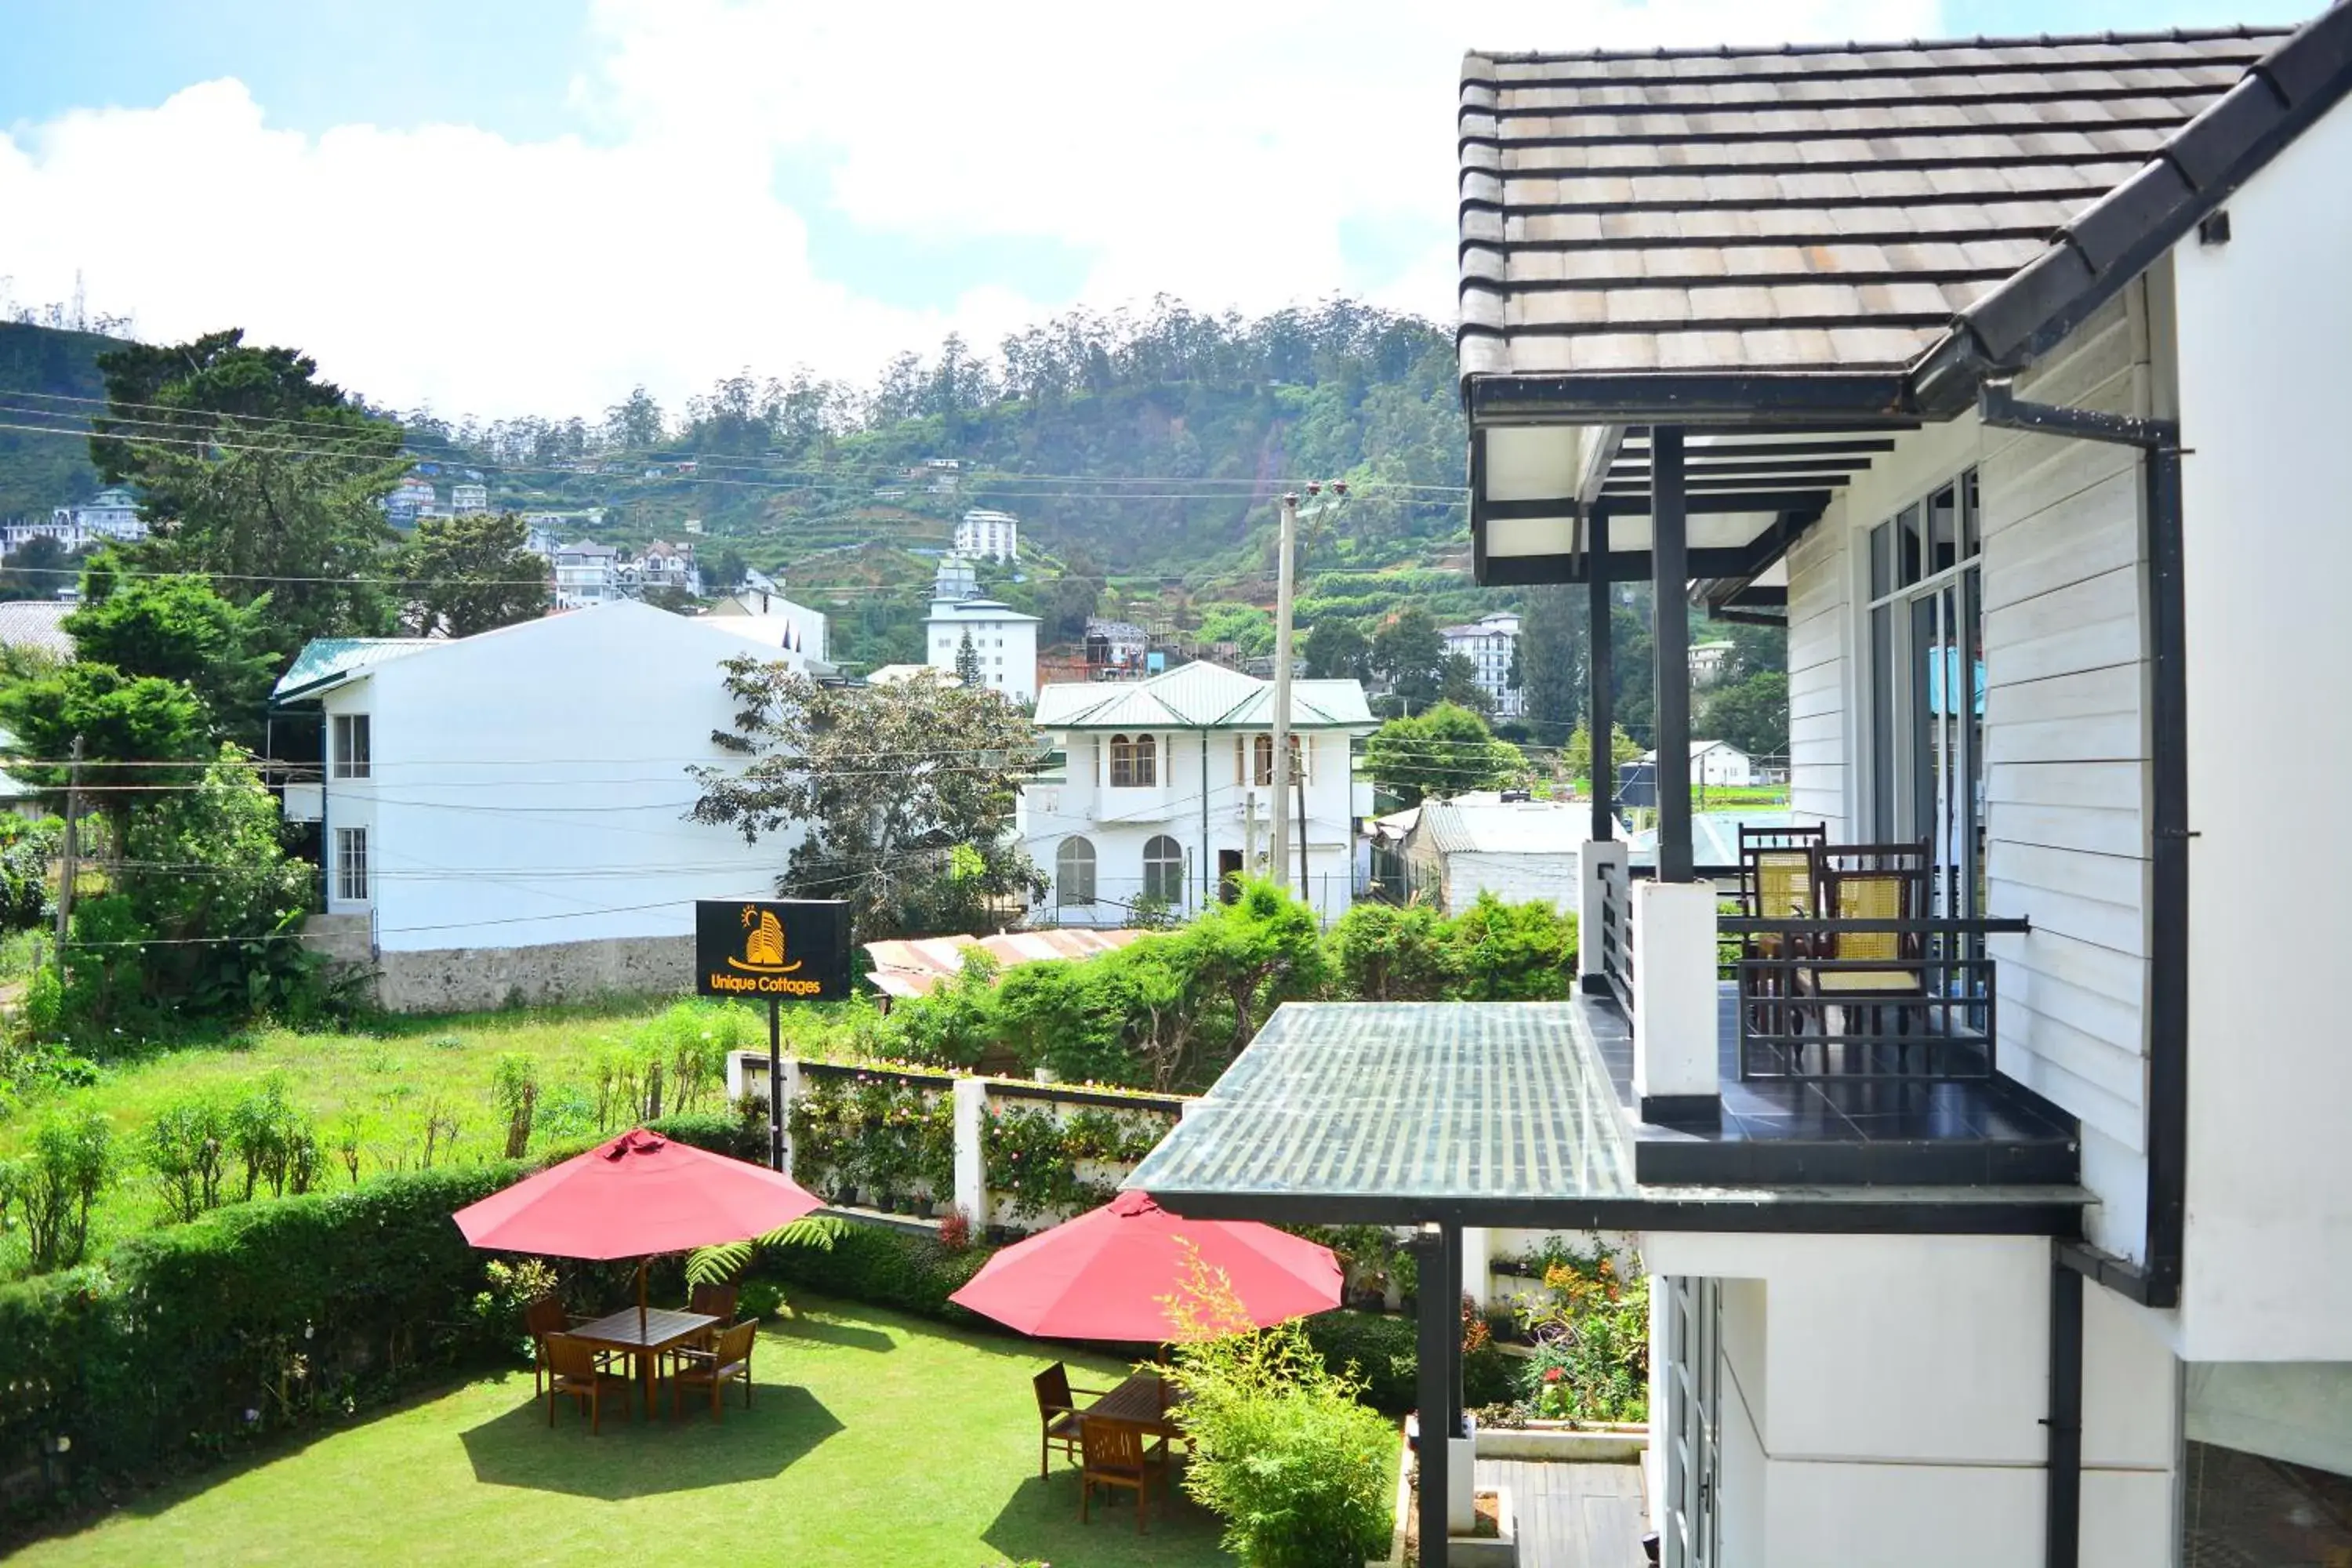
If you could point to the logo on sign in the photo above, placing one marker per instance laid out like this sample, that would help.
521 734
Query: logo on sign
763 945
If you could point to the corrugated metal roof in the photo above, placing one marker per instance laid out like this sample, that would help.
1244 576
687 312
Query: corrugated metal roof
1510 827
912 968
37 623
325 660
1714 836
1812 207
1194 696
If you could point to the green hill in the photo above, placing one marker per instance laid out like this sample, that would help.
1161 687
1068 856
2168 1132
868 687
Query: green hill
40 472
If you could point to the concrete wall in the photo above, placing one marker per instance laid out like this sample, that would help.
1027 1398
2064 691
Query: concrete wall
2264 328
472 979
528 786
1882 1401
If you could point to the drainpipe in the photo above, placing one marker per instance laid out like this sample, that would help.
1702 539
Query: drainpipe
2155 1281
2062 1515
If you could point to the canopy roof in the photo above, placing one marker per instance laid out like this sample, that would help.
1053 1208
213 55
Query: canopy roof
1199 696
1795 253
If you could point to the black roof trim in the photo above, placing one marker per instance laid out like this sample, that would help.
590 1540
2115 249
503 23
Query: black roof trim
1881 46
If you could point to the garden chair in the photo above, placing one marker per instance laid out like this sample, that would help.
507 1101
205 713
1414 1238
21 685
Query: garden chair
1780 870
1057 1415
718 1302
1117 1455
729 1359
574 1368
541 1319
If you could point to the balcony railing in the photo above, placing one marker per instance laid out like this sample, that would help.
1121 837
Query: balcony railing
1617 931
1883 999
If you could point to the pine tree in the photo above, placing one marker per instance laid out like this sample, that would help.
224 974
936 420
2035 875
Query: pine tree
1549 657
968 661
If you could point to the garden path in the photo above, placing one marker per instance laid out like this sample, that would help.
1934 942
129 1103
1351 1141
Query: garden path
1574 1515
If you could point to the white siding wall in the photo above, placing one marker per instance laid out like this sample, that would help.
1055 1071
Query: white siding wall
1514 879
529 785
2264 330
1821 678
2065 672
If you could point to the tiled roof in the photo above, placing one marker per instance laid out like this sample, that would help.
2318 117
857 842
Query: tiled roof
1197 695
37 623
1810 208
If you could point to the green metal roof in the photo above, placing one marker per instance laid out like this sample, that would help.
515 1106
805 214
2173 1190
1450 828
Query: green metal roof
324 660
1197 696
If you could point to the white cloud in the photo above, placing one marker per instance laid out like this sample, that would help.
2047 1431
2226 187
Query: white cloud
1213 152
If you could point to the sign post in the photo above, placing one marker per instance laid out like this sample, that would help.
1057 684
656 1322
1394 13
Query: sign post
775 950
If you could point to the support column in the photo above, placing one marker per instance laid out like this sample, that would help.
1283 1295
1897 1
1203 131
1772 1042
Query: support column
1675 1003
1462 1453
971 1157
1670 650
1438 1319
1477 1257
1601 717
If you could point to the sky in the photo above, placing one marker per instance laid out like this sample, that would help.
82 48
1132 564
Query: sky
500 208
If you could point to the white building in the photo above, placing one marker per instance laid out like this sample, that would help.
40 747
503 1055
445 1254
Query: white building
1718 764
586 574
1711 662
1002 639
412 497
993 534
467 500
2037 1257
1490 643
667 565
1519 851
1167 789
504 814
775 620
109 517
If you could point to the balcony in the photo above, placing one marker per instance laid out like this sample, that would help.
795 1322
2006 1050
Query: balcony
1805 1052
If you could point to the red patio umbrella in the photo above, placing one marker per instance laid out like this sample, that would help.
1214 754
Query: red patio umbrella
637 1196
1102 1274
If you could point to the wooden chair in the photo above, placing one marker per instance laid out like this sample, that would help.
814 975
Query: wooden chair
1117 1455
574 1368
727 1361
1779 873
1876 973
718 1302
1057 1414
541 1319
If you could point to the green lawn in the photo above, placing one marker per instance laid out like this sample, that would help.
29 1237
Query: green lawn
394 1076
872 1439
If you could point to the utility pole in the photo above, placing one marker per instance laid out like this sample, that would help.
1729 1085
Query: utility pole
1281 781
72 867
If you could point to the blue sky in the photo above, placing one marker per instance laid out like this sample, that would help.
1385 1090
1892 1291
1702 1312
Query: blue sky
435 196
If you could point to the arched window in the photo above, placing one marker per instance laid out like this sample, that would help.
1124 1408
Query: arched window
1134 761
1262 760
1163 869
1073 872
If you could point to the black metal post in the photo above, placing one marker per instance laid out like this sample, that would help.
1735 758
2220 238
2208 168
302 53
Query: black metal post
775 1085
1670 650
1598 707
1439 1323
1452 1234
2062 1521
2169 836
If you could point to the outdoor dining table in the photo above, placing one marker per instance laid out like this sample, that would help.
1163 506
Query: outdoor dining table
1143 1400
645 1335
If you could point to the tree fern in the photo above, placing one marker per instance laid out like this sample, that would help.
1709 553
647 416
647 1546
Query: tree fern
716 1265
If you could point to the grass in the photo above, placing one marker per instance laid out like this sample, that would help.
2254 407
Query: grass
393 1075
872 1438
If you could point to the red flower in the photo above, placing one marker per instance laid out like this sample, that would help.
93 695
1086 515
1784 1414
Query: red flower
1553 1375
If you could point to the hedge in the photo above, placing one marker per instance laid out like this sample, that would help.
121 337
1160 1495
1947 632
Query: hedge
880 1265
187 1341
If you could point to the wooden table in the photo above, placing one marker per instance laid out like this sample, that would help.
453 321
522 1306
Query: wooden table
663 1330
1143 1400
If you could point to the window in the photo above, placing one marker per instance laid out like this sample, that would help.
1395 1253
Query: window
1925 634
1134 761
1262 760
1163 869
351 864
1073 872
350 742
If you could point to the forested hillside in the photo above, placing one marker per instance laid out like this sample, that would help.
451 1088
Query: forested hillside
39 471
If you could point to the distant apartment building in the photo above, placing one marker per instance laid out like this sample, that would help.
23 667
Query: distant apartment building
111 516
993 534
411 499
466 499
586 574
667 565
1490 643
1003 640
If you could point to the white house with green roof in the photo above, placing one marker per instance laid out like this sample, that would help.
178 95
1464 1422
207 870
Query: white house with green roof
1167 790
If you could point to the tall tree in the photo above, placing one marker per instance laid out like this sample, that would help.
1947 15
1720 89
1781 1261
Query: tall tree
38 568
254 471
178 629
1336 650
126 725
904 794
1550 656
1409 656
469 575
1444 752
1457 682
967 667
1752 714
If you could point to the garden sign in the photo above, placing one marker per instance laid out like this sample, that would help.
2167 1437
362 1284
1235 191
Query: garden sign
779 950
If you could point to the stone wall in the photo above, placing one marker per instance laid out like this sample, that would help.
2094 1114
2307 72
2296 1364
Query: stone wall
462 980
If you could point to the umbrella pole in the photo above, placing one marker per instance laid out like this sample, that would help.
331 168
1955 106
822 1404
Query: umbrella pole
643 1264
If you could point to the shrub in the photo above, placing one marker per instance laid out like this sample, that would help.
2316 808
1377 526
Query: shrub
1281 1447
884 1266
186 1147
1592 1329
25 848
54 1186
1383 1351
1515 952
736 1137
